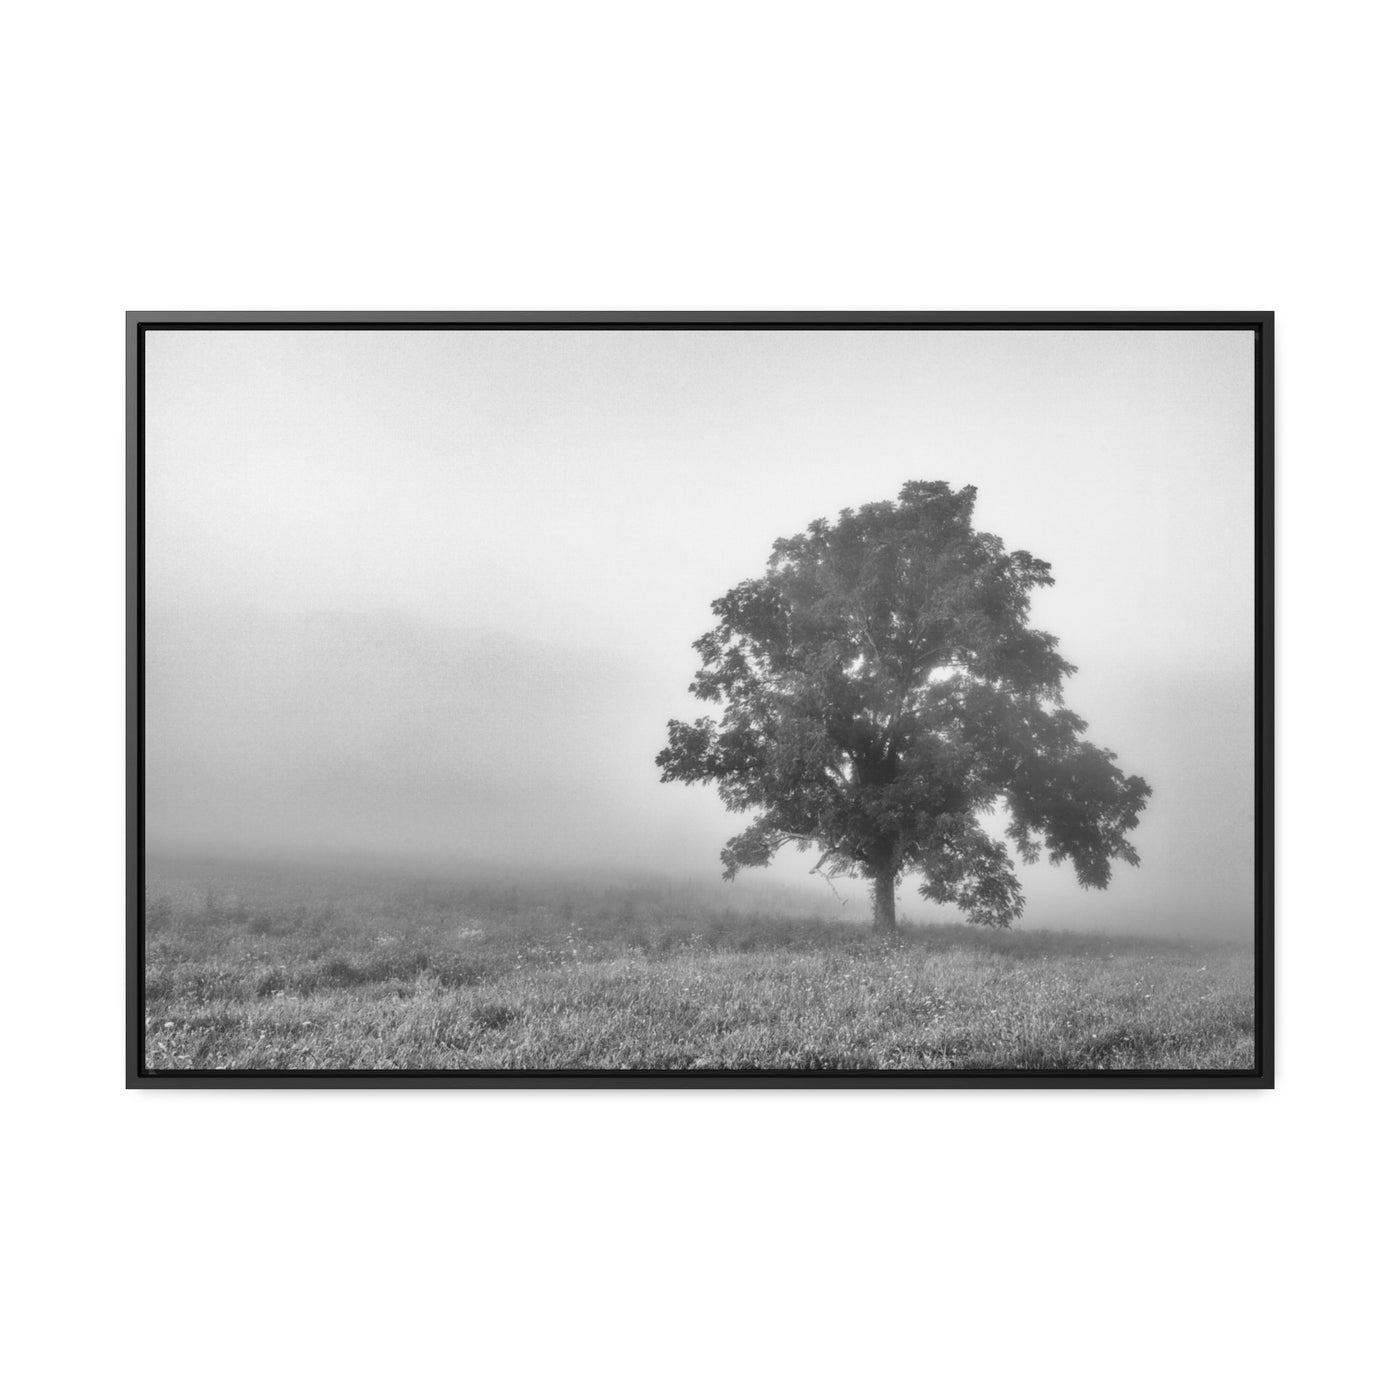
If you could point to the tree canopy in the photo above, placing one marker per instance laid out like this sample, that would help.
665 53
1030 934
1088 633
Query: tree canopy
882 691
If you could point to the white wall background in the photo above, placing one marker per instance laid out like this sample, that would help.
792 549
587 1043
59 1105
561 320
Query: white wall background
724 155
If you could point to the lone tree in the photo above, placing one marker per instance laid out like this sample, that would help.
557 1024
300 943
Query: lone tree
882 691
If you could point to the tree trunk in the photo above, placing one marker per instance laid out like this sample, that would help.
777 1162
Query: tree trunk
883 899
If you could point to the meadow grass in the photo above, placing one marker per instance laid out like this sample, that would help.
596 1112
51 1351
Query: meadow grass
417 976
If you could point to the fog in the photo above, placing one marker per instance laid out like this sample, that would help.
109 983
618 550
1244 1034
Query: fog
430 595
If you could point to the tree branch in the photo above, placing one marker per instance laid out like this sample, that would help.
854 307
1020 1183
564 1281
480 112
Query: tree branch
792 835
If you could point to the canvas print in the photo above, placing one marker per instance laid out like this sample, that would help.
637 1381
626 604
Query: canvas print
680 700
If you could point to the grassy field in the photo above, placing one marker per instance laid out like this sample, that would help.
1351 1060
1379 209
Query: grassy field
251 973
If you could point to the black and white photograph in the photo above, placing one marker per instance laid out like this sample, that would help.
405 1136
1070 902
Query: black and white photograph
706 697
698 700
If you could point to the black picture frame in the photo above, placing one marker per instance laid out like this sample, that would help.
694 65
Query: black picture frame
1261 323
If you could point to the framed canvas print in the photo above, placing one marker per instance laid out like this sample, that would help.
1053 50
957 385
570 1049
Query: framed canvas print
700 699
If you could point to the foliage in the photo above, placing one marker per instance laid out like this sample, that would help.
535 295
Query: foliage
882 691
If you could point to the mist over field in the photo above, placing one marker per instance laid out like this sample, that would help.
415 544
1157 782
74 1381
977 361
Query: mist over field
427 598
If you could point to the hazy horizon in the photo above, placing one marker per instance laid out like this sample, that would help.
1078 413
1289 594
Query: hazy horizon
431 595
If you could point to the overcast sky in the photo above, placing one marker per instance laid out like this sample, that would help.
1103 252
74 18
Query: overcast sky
433 592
